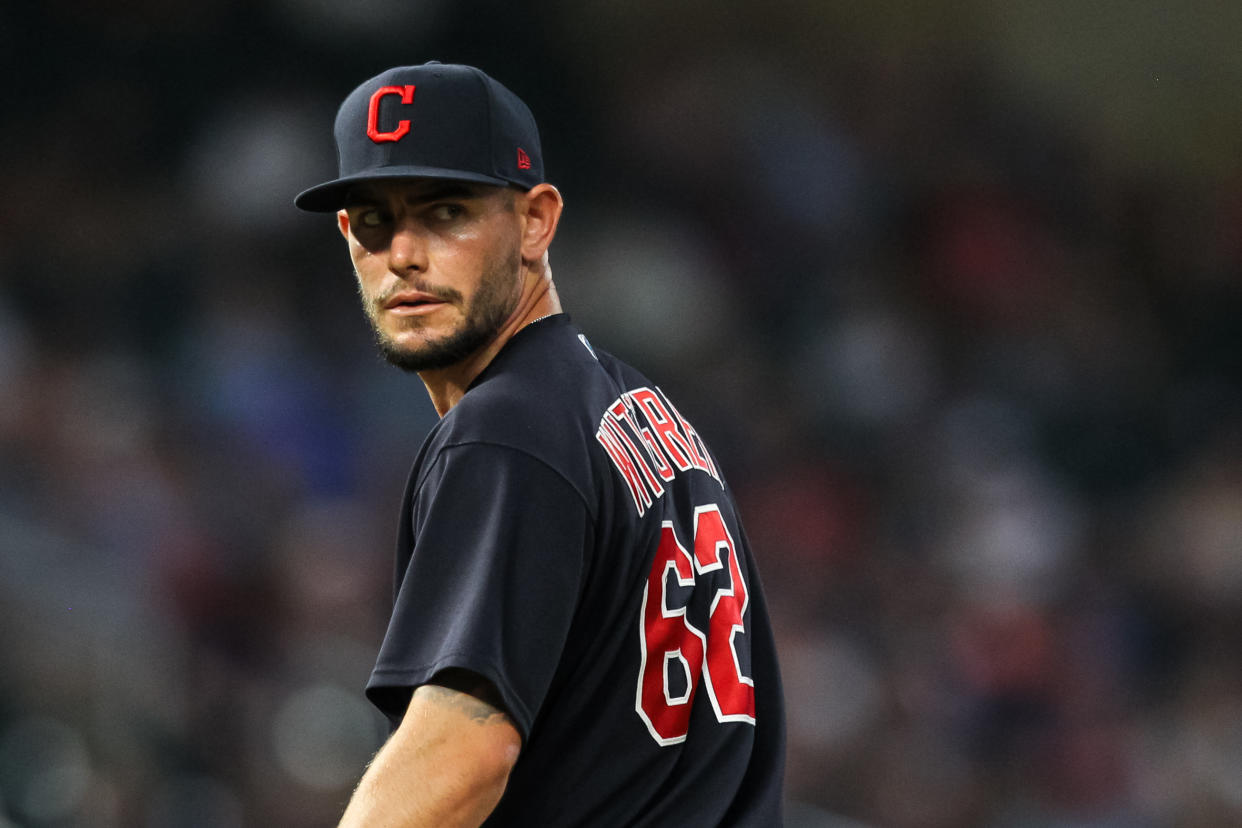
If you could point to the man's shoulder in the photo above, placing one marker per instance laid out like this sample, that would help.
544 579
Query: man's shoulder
543 395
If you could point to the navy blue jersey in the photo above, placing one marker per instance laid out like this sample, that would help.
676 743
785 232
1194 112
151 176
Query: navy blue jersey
567 534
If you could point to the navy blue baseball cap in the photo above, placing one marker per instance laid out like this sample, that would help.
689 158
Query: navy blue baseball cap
436 120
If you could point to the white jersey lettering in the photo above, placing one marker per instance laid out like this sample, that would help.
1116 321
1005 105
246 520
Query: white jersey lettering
645 417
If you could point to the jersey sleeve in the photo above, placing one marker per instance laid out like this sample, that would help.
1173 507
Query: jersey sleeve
493 580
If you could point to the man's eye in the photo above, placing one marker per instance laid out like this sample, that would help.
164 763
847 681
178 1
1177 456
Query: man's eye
371 218
446 212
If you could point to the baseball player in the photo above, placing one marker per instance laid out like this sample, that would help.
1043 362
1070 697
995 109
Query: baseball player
579 636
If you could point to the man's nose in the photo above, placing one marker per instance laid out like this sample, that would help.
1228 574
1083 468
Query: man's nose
407 251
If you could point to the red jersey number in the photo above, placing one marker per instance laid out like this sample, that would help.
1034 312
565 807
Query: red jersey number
671 643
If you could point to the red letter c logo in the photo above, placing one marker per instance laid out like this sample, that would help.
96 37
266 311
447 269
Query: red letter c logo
373 132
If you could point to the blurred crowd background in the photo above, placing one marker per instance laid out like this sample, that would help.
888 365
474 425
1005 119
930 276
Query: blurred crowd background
952 288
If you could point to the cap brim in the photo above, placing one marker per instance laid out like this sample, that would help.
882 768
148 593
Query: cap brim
330 196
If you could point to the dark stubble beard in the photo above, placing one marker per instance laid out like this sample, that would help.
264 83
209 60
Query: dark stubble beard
491 306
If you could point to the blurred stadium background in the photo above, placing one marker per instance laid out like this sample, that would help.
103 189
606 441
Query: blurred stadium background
953 288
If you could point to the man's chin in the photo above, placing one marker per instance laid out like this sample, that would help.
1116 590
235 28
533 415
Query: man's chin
413 359
430 356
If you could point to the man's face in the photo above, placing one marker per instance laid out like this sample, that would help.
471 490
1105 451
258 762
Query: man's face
438 266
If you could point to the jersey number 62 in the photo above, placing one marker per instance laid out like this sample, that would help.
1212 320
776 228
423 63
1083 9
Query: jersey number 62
671 643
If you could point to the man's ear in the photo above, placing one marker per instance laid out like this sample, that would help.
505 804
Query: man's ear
541 206
342 223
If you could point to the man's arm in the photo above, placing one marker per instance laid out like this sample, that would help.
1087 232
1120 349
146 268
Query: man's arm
446 764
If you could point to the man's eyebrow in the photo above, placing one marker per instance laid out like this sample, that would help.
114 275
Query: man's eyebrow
450 189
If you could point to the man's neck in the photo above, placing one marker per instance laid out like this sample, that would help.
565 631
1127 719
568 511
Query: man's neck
446 386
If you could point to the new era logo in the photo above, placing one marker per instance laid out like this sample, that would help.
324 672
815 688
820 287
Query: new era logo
523 159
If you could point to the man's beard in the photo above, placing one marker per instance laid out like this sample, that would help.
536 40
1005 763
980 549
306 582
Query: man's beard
484 316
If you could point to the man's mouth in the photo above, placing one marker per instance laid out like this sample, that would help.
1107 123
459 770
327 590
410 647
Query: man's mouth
412 303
